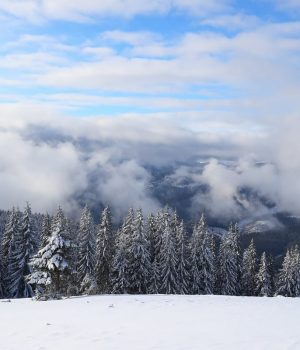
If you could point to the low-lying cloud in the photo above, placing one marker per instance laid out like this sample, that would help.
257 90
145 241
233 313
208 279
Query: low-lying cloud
62 160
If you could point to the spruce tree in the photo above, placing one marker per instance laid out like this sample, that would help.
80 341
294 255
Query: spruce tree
104 251
15 282
139 257
119 271
288 283
25 245
46 230
229 263
296 270
11 228
51 265
168 260
202 260
86 248
127 228
120 283
285 282
263 278
182 264
157 228
248 271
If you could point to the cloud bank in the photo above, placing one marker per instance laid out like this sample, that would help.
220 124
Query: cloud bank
50 160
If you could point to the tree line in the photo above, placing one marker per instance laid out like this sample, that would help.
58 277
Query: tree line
143 256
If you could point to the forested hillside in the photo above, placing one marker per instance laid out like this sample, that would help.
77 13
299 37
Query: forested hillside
54 256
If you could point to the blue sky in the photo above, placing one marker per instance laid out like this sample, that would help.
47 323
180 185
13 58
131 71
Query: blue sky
93 58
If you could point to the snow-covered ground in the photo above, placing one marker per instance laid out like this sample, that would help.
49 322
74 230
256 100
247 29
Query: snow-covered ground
151 322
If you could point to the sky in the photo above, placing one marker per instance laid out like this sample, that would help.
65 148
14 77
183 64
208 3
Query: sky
148 83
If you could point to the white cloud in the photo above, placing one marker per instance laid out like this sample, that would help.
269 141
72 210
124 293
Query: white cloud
233 22
288 5
87 10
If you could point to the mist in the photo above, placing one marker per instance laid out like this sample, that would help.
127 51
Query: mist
120 162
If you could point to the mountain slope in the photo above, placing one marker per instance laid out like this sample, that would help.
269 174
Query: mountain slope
151 322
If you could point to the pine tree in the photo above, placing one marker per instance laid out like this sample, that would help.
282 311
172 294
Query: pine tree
285 283
127 229
202 260
151 232
119 270
1 286
229 263
182 265
296 270
155 229
120 262
139 264
87 248
25 245
46 230
263 278
51 265
248 271
104 250
168 260
11 228
289 275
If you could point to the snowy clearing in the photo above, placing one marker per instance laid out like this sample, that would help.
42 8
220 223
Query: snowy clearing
151 322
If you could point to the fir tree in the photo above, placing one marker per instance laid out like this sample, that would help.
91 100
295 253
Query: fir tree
104 250
46 230
202 260
11 227
248 271
168 260
158 226
229 263
182 265
296 270
119 271
285 283
139 257
25 245
263 278
51 265
289 275
87 247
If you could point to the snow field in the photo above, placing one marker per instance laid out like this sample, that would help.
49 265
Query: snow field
153 322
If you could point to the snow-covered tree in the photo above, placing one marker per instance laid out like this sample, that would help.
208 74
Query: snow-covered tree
11 228
151 232
248 271
154 233
296 270
51 265
120 270
288 283
182 262
139 264
229 263
86 247
46 230
264 278
22 248
285 283
202 260
127 228
25 245
168 259
104 250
